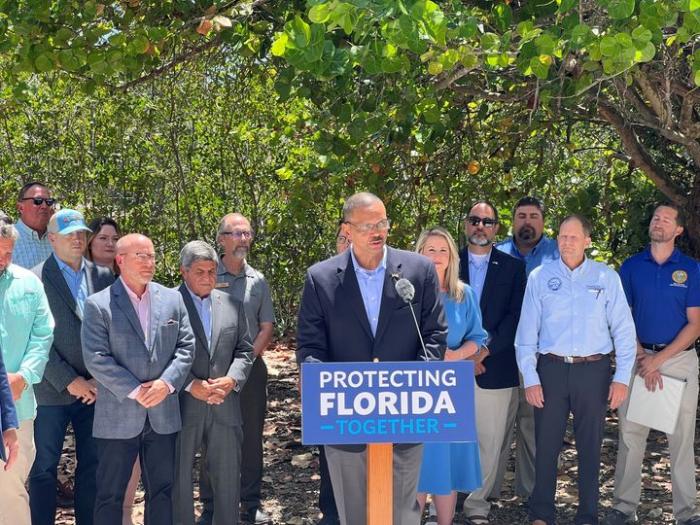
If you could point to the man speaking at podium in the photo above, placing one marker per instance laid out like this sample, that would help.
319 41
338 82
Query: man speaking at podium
350 311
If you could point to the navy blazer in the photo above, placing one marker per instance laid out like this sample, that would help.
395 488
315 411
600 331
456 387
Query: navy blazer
333 324
501 300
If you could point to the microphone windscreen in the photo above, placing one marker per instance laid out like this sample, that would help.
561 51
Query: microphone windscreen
405 289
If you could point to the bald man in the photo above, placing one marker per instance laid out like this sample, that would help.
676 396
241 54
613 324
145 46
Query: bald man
139 346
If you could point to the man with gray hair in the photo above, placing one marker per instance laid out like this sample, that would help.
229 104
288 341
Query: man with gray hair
26 332
237 278
209 403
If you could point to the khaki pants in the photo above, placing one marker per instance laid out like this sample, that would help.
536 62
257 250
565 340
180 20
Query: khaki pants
633 442
14 500
492 427
521 427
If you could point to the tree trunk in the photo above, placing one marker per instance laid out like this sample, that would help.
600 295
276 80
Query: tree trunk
692 217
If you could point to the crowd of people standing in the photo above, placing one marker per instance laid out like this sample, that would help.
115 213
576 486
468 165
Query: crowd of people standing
564 335
149 377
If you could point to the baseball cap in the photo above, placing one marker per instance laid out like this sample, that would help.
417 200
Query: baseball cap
69 221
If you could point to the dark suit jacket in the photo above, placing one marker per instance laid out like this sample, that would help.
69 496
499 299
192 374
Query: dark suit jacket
501 299
231 355
333 325
65 357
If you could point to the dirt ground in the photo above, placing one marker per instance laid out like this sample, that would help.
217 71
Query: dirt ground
291 481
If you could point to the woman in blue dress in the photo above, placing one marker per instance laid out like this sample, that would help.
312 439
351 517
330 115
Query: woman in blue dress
451 467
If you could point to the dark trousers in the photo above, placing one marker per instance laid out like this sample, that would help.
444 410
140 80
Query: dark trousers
156 453
326 501
253 411
223 460
50 428
581 389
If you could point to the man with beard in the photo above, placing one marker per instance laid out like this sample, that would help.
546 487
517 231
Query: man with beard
236 277
663 289
529 244
499 282
35 207
528 241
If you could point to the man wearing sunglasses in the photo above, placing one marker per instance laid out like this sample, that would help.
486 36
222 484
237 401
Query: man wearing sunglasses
236 277
529 244
499 282
35 207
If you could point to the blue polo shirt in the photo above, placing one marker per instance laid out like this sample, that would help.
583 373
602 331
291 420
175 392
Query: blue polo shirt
660 293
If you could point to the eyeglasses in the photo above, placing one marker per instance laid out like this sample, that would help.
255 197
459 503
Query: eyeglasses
341 239
475 221
38 201
143 257
381 226
239 234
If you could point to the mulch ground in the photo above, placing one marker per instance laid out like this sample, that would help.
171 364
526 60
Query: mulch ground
291 481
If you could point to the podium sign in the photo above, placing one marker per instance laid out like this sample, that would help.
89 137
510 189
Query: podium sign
387 402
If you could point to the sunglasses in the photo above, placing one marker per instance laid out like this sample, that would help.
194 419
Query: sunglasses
488 223
38 201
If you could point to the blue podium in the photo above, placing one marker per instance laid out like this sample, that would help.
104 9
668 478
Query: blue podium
381 403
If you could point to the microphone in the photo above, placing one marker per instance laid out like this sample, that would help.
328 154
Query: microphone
407 291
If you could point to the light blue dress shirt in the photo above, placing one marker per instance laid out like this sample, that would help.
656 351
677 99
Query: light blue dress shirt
463 319
544 251
478 266
578 312
76 281
30 249
203 307
371 285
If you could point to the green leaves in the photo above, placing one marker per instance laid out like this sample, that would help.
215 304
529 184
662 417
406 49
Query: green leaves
618 9
581 36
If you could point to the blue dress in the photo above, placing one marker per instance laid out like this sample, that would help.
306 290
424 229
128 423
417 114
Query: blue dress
455 466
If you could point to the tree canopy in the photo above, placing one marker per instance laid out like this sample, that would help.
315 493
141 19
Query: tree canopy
170 114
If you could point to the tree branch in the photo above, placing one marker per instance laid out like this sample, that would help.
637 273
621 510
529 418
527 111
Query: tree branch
184 57
193 52
639 155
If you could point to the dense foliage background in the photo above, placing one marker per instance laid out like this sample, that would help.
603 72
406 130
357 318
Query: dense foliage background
166 115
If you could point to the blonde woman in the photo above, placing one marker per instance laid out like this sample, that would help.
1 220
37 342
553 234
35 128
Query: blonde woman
451 467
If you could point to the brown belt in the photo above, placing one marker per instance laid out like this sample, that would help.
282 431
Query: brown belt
575 359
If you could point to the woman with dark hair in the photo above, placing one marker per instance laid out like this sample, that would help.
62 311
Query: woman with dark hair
102 242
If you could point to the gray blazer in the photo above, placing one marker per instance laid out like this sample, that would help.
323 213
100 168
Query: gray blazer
116 355
65 357
231 355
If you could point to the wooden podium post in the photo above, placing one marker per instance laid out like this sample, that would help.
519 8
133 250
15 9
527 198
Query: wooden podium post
380 484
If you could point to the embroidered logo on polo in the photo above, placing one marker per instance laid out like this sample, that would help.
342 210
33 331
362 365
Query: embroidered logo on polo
679 278
554 284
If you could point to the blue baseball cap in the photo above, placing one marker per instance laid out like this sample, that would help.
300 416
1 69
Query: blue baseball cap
69 221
